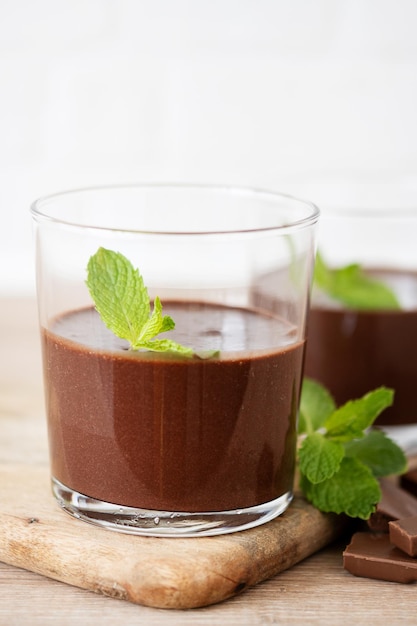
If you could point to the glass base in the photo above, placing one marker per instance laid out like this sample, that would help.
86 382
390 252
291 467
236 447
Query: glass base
135 521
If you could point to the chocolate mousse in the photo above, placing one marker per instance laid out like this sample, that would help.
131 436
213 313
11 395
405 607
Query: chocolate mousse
171 433
352 352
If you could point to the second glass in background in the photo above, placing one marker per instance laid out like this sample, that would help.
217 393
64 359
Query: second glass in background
353 350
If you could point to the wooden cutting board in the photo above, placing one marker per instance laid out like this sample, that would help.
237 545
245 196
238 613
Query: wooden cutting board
37 535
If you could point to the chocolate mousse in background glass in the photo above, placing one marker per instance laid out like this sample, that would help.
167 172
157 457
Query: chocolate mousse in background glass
352 350
157 443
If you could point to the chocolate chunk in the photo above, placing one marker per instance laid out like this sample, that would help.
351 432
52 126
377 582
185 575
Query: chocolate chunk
403 534
396 503
373 556
409 482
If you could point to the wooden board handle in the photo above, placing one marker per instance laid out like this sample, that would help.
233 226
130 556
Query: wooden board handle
37 535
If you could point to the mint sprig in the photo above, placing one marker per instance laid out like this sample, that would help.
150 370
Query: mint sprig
340 457
122 301
353 287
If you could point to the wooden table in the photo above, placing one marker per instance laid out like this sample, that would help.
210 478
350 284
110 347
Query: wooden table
316 591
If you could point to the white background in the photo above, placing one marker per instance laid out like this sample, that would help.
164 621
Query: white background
293 95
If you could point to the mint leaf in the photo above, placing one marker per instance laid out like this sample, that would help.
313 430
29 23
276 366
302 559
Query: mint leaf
350 420
119 293
352 286
382 455
341 460
319 457
352 490
315 406
165 345
123 303
154 325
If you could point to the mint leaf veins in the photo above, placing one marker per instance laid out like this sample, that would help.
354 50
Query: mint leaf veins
341 457
122 301
353 287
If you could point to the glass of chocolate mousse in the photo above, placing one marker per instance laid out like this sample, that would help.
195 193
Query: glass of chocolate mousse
363 320
173 325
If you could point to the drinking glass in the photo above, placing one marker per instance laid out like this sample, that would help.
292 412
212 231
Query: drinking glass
159 442
353 350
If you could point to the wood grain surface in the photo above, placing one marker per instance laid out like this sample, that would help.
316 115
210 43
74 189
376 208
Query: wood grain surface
317 591
37 535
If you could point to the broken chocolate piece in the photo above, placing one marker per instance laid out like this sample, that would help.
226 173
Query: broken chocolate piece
396 503
403 534
408 482
373 556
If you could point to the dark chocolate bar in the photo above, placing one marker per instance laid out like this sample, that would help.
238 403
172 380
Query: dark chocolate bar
408 482
373 556
396 503
403 534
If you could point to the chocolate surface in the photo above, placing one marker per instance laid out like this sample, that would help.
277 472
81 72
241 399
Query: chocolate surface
408 482
403 534
395 504
373 556
352 352
162 432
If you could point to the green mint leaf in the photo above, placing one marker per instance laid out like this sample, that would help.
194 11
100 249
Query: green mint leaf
207 354
123 303
166 345
340 461
119 293
382 455
350 420
155 324
352 490
316 406
319 457
352 286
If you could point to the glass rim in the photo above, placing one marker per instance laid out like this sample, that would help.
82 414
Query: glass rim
40 215
368 212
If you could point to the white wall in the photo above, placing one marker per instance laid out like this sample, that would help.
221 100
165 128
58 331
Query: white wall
294 95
